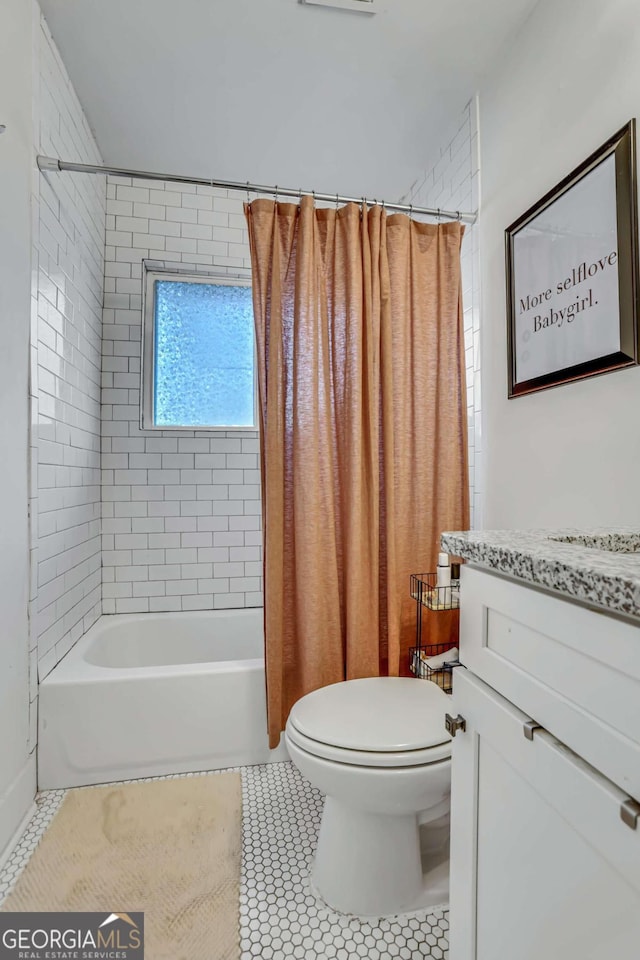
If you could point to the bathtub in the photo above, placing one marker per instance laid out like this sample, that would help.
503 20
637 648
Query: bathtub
145 695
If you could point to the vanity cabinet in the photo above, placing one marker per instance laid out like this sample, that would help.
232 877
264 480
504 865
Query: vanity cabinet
545 830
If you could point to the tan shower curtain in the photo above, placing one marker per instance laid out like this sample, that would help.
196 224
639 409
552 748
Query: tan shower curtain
362 433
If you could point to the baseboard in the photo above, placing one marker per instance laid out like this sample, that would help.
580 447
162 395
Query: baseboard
17 807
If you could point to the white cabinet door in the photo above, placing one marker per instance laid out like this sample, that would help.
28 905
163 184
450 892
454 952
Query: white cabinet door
542 865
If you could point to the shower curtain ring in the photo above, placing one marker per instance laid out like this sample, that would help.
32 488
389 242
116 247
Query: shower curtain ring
410 210
276 194
438 215
336 201
248 194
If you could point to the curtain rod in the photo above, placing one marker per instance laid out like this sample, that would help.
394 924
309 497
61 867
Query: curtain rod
49 163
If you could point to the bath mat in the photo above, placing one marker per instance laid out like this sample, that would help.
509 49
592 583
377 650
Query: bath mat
170 848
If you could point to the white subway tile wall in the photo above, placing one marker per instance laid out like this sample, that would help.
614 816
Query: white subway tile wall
181 511
452 182
66 317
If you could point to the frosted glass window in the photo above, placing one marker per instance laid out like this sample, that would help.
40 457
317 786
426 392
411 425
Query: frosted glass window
203 354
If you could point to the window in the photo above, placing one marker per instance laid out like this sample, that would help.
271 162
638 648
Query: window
198 353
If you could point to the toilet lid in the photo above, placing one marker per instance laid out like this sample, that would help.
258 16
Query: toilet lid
379 714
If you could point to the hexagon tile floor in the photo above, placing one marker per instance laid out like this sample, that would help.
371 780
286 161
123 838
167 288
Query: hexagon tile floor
279 915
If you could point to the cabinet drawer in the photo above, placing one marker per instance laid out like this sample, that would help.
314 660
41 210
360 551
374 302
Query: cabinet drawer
575 671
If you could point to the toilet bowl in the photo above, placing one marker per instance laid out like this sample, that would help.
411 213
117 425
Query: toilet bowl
379 750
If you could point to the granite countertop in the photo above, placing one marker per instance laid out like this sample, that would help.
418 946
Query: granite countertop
599 567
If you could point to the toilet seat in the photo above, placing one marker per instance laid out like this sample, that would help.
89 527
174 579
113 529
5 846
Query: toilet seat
374 722
369 758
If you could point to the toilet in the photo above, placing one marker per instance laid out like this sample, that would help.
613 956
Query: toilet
379 750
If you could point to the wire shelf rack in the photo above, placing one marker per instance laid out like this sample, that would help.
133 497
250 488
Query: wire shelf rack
442 675
426 592
425 589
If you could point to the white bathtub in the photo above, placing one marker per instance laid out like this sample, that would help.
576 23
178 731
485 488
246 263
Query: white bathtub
151 694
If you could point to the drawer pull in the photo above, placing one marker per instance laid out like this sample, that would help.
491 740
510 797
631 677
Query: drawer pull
453 724
630 812
529 727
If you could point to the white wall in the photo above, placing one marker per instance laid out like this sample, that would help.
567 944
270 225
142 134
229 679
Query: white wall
68 261
51 273
17 767
451 181
566 456
181 511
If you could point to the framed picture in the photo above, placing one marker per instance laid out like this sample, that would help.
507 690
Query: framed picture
572 274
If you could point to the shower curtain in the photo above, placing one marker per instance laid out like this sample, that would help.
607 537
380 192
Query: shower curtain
363 433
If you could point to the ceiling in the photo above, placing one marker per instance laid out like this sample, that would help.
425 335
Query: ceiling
279 92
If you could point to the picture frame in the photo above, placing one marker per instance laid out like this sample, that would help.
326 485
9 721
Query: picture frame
572 274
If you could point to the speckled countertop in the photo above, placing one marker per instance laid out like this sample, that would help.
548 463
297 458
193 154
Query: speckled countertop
599 567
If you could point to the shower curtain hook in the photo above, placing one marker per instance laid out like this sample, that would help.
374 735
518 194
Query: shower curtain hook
458 215
438 215
336 201
410 210
276 194
248 194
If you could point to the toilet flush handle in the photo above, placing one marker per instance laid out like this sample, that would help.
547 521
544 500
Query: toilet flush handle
453 724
